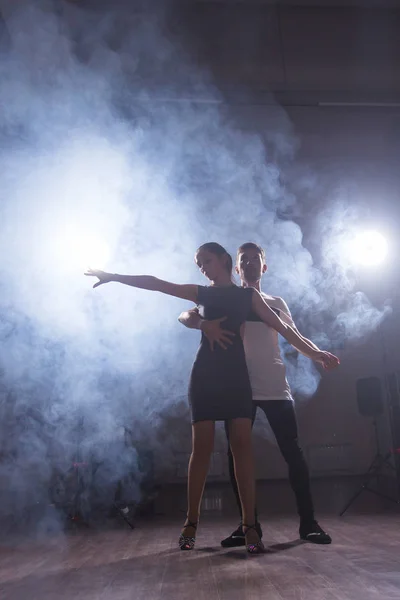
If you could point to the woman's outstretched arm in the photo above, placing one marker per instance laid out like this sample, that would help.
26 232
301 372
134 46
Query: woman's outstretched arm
147 282
269 317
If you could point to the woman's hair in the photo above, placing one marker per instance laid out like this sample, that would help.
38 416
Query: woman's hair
218 250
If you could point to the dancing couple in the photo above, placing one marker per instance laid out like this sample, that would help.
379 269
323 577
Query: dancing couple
220 387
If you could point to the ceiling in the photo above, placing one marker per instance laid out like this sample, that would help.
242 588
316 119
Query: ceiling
319 3
7 5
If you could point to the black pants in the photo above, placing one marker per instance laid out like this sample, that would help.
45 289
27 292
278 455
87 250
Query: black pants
282 419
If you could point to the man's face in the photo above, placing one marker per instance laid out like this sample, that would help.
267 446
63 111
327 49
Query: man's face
250 265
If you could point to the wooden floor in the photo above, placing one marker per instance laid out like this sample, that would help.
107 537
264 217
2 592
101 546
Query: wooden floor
363 563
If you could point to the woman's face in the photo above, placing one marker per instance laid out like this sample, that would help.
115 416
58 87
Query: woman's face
211 265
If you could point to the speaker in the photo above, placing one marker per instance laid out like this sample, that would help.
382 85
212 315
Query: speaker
393 387
393 383
369 396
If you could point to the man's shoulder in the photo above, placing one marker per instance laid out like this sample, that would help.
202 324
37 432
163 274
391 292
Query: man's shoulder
275 301
278 304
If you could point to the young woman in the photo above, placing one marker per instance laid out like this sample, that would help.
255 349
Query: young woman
219 386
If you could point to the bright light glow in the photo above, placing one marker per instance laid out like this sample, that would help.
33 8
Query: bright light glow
81 250
369 248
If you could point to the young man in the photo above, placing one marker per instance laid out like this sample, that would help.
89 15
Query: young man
271 391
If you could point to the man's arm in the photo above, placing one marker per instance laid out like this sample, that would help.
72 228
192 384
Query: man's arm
211 329
307 340
286 316
270 317
191 319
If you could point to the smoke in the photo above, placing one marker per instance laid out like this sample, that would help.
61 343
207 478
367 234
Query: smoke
116 151
340 276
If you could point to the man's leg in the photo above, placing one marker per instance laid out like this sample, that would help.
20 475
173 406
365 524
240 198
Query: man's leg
237 537
282 419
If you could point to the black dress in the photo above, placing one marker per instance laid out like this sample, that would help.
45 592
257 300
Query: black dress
219 387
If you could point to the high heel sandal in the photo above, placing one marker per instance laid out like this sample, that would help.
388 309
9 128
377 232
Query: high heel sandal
186 542
256 548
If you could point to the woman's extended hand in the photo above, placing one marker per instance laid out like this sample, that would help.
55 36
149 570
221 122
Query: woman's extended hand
328 361
102 276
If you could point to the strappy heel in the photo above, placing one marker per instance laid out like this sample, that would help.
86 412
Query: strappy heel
186 542
256 548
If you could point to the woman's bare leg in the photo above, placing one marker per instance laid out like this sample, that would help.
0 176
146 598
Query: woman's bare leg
202 447
243 459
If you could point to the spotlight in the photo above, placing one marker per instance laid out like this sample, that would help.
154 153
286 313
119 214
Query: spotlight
369 248
80 249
